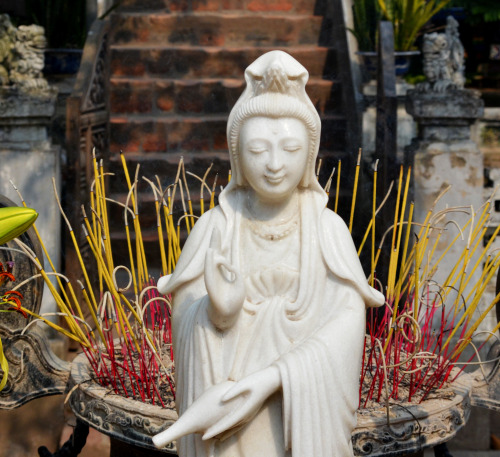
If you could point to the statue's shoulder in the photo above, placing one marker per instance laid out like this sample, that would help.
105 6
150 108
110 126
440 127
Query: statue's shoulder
332 221
201 233
212 217
336 237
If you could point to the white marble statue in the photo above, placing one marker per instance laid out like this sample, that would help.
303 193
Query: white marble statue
269 295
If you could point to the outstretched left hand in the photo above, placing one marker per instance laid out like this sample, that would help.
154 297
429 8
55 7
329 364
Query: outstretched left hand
254 391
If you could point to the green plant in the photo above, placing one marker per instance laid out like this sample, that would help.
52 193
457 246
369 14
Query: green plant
407 16
366 16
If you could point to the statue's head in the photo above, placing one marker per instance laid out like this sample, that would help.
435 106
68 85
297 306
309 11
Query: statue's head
275 99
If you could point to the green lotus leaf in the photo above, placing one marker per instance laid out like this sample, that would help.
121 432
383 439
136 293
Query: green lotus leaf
14 221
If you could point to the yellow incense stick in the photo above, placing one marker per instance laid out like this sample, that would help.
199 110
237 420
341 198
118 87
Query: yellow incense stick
337 189
355 190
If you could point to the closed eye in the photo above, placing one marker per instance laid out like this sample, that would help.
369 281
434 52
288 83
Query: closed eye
257 150
258 146
292 147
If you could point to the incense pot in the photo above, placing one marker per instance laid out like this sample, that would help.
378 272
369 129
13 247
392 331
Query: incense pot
407 430
268 295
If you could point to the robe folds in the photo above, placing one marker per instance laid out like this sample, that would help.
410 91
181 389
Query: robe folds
314 336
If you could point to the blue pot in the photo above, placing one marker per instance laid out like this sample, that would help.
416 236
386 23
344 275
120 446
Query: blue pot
62 61
402 61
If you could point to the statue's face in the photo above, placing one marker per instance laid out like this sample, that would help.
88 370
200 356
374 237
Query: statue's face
273 155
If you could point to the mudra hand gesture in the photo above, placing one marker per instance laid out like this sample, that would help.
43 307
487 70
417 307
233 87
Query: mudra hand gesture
225 286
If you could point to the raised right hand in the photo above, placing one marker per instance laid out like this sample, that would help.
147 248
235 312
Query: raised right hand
225 286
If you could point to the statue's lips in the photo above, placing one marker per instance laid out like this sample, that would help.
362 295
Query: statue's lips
275 179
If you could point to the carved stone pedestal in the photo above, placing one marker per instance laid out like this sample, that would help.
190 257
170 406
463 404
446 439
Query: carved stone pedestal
28 158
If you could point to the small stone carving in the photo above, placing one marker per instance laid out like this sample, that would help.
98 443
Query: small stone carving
443 60
28 62
21 55
269 295
7 39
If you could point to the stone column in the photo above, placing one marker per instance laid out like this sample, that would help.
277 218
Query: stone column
443 154
28 158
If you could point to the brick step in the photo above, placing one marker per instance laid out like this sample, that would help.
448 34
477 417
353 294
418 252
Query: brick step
296 6
191 62
168 134
215 29
195 134
167 97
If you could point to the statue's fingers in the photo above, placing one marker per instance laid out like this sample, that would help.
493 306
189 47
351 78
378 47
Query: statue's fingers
234 392
228 271
221 426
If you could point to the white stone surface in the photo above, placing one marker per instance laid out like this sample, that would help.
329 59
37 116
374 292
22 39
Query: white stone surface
459 164
32 172
268 295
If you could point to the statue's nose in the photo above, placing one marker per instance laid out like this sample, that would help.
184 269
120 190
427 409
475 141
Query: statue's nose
275 162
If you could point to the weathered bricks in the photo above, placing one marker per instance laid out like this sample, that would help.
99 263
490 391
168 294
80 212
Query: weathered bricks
176 71
228 29
295 6
190 62
196 134
270 5
163 97
131 97
171 134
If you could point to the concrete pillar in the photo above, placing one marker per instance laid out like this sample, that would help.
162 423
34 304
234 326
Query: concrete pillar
444 154
28 158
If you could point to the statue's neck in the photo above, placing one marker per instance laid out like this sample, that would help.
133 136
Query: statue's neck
272 211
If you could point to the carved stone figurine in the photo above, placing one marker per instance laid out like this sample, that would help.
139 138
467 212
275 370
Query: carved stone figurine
7 40
21 55
269 295
443 59
28 61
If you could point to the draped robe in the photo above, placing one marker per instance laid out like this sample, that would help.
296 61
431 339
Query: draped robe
309 322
